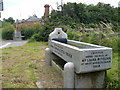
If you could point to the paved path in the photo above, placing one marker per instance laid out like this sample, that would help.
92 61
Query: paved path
5 44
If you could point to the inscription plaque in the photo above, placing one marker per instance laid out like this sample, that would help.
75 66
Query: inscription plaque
85 60
86 57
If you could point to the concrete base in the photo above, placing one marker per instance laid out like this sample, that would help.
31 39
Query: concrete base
90 80
83 80
17 36
49 59
49 56
60 71
69 75
71 78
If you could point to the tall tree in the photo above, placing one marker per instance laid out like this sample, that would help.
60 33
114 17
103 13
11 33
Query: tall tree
73 13
9 20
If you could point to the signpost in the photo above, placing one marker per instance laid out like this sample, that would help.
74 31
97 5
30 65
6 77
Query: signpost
1 5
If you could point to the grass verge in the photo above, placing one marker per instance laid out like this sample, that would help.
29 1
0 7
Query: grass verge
112 79
23 66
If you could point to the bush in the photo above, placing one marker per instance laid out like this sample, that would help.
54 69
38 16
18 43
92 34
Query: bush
116 28
27 32
42 35
91 25
37 27
4 24
8 32
72 35
111 42
35 37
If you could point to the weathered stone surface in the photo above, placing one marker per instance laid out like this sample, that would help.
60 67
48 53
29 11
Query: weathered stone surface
48 56
90 80
17 36
82 44
69 75
58 68
57 33
39 84
89 59
86 63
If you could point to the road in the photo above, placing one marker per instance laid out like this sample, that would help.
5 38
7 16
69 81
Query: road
5 44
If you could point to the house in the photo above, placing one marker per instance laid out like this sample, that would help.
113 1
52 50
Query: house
31 20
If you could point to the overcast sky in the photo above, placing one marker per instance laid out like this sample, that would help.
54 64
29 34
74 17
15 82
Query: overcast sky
22 9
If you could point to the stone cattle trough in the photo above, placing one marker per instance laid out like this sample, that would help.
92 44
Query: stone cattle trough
82 65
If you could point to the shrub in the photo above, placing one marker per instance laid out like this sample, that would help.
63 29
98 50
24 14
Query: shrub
8 32
27 32
4 24
116 28
37 27
111 42
65 28
42 35
91 25
35 37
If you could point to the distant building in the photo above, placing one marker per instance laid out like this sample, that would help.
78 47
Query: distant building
31 20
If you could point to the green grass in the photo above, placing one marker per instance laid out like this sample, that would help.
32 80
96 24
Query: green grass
23 66
0 32
112 74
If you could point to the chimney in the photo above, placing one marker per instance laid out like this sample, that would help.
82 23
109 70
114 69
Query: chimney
46 11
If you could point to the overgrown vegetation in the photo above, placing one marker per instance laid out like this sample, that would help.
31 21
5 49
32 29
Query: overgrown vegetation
8 31
80 16
28 32
9 20
72 16
77 16
23 66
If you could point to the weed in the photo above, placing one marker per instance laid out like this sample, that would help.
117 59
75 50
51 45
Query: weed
23 66
32 65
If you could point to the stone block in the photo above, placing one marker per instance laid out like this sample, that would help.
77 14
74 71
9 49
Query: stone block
69 75
90 80
86 58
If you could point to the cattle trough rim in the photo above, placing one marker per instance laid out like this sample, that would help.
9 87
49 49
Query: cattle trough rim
91 46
